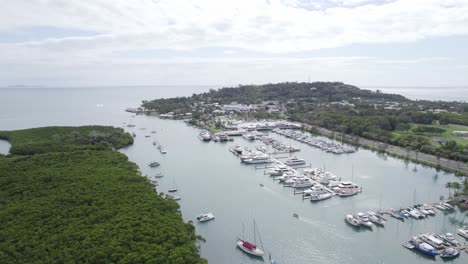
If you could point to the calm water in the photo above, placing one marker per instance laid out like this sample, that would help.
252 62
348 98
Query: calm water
210 178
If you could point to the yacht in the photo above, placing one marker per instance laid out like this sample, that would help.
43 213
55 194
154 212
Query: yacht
205 136
249 248
423 246
432 240
303 183
320 196
440 207
258 159
352 220
415 213
364 219
238 150
376 218
450 252
463 232
347 189
154 164
295 161
205 217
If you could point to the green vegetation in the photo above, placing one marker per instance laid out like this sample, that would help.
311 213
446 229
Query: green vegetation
84 204
388 118
65 139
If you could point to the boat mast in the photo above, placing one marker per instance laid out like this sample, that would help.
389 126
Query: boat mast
255 237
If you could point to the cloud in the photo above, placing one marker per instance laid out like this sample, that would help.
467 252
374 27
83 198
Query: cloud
98 33
275 26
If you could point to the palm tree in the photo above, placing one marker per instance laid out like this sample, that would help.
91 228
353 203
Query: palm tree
449 185
456 186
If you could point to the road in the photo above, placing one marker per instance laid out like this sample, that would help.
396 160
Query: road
461 167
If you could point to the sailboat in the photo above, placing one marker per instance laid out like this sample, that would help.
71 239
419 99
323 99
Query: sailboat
173 188
248 247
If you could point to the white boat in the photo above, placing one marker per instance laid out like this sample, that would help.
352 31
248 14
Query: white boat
163 151
376 218
352 220
205 136
347 189
463 232
414 213
248 247
159 175
154 164
320 196
432 240
205 217
447 205
173 189
303 183
364 219
450 252
258 160
440 207
294 161
238 150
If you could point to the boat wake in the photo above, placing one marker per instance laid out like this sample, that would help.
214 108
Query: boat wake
330 231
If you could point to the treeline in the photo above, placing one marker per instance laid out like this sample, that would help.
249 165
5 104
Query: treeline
65 139
85 205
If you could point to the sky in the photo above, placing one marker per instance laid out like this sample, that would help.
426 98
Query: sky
218 42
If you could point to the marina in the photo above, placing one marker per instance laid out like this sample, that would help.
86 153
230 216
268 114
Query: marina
207 172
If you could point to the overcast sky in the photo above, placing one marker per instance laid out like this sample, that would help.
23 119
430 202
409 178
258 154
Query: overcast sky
146 42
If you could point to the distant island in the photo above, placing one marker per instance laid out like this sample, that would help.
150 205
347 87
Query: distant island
385 122
68 196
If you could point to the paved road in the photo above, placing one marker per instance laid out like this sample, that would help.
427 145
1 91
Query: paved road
413 155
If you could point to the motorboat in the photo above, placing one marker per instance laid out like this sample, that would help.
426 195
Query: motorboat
205 136
154 164
447 205
347 189
408 245
463 232
440 207
163 151
238 150
433 240
159 175
133 134
423 246
320 196
415 213
450 252
205 217
294 161
173 189
449 238
352 220
376 218
364 220
303 183
258 159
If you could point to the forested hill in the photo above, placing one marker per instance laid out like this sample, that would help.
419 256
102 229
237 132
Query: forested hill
320 91
84 203
283 92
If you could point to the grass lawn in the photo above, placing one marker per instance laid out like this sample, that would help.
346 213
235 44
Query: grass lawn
448 134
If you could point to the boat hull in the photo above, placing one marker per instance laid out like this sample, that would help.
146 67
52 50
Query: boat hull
254 252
